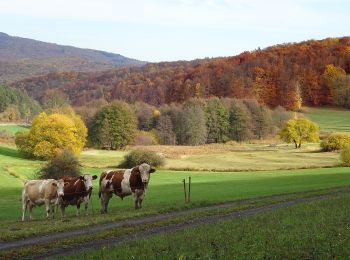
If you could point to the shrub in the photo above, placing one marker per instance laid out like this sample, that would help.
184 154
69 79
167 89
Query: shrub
145 138
335 142
140 156
51 134
345 155
63 164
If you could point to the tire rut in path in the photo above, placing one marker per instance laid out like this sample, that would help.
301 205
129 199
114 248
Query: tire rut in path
96 244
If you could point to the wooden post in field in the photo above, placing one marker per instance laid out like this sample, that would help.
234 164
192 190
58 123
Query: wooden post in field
189 189
184 181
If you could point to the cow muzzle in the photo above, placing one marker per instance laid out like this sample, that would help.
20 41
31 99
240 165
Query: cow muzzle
60 194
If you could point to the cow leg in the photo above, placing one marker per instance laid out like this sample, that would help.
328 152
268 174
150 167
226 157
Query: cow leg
63 213
140 202
86 207
24 208
47 206
136 200
78 209
51 211
30 211
105 197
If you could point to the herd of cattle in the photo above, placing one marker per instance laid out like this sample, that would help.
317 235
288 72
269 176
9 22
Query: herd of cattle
77 190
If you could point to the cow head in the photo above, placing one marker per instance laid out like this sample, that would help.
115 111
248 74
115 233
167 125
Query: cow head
59 184
88 178
145 170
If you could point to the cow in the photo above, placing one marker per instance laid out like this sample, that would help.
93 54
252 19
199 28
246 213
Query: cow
39 192
133 181
77 190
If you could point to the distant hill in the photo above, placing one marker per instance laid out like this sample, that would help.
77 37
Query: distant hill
21 58
278 75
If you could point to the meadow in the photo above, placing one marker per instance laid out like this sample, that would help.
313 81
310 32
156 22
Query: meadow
314 230
165 191
220 173
330 119
12 128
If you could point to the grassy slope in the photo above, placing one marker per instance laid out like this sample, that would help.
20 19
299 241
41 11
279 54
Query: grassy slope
12 129
316 230
330 119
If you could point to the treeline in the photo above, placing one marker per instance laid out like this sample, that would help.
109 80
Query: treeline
284 75
338 83
195 122
16 104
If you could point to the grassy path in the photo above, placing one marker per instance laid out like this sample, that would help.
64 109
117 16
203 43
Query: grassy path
161 223
210 214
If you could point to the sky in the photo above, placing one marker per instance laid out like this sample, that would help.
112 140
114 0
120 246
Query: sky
165 30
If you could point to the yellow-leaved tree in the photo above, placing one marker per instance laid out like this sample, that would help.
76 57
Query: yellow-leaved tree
299 130
51 134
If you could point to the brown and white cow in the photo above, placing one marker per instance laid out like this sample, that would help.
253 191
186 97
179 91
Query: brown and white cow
77 190
133 181
39 192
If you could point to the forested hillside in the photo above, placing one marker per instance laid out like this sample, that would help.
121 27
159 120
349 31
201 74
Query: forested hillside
285 75
22 58
16 104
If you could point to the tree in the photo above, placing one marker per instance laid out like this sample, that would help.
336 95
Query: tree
299 130
165 130
217 121
193 120
51 134
240 122
113 127
55 99
16 104
280 115
261 118
145 116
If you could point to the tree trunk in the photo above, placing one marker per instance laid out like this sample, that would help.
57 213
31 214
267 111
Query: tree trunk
296 144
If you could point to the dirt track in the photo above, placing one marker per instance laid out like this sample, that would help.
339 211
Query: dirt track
144 233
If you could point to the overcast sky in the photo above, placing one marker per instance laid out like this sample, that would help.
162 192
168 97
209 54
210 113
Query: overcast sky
164 30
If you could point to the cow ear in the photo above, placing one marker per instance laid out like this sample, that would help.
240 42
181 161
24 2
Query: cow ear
66 183
81 178
94 177
152 170
54 184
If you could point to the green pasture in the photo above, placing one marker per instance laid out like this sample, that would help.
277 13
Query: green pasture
314 230
12 128
330 119
165 192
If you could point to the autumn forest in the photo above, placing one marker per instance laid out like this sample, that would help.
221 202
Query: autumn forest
312 72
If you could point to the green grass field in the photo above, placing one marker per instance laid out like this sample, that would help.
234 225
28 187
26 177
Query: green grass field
316 230
165 192
330 119
12 128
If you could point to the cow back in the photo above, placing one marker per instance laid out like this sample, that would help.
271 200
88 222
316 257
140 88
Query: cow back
40 189
74 188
